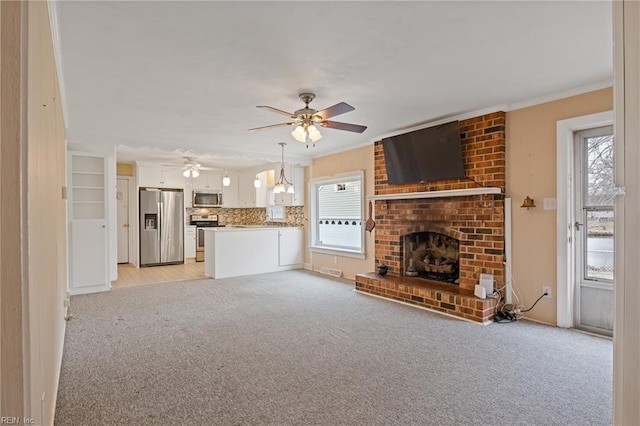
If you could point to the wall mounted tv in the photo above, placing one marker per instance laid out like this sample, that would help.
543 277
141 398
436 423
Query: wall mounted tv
425 155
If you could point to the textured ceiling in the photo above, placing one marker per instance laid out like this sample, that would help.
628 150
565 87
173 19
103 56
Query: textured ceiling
170 79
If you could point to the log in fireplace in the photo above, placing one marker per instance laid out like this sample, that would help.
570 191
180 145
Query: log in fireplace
432 256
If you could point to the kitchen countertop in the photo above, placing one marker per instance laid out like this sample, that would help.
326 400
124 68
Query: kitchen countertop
249 228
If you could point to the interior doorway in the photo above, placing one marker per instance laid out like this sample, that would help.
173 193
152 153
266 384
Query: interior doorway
122 198
594 195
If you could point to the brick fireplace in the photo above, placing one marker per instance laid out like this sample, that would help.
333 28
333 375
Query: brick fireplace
436 246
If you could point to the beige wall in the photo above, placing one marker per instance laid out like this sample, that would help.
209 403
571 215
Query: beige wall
355 159
125 169
38 269
531 171
11 159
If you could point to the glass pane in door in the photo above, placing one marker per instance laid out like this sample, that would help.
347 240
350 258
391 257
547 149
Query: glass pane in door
599 185
594 230
599 245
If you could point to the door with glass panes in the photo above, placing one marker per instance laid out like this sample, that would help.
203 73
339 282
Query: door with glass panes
594 230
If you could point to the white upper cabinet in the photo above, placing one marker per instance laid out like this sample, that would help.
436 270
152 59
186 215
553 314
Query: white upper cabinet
246 190
297 176
208 180
261 193
156 176
230 195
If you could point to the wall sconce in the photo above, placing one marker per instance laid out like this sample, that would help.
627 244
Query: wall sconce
528 203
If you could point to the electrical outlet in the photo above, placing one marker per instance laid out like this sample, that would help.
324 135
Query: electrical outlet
547 290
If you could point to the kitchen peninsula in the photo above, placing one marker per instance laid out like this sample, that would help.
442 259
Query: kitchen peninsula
247 250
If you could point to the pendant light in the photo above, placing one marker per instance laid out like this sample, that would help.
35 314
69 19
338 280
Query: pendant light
226 180
257 183
282 185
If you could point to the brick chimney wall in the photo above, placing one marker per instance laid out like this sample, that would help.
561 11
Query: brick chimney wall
477 220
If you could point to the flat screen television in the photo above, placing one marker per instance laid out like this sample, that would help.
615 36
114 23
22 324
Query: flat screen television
425 155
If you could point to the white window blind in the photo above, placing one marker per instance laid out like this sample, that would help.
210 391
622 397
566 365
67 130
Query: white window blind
336 213
335 203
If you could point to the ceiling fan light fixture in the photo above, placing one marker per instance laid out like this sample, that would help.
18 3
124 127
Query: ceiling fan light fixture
314 133
299 134
191 172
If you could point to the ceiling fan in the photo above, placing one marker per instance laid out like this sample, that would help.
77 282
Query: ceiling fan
192 168
306 120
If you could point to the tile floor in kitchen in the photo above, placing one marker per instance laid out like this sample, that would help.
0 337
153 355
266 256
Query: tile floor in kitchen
129 275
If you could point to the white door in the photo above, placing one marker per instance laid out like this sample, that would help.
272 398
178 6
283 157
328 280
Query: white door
122 197
594 230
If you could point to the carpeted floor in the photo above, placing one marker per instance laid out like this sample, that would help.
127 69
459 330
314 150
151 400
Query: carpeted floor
301 349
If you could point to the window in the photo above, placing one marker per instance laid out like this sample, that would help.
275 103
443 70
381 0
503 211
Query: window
336 214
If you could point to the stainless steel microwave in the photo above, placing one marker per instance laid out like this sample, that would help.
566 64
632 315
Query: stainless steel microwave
203 198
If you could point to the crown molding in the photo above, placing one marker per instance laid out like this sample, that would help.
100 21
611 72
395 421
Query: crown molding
561 95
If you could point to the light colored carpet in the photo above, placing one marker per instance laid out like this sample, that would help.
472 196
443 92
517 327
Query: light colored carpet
299 348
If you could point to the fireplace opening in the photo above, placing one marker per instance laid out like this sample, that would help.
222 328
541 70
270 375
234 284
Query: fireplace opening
431 255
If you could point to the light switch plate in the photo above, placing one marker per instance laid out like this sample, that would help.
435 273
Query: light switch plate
550 204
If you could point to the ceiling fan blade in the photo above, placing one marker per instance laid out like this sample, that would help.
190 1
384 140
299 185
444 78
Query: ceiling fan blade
334 110
278 111
343 126
274 125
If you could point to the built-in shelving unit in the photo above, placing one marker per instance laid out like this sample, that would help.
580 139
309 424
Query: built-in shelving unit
87 187
88 244
438 194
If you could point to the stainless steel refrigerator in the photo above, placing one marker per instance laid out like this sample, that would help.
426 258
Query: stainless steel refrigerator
161 226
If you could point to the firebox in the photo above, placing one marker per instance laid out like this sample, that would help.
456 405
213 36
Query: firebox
432 256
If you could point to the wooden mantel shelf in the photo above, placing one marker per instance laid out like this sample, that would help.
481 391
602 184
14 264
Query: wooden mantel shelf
438 194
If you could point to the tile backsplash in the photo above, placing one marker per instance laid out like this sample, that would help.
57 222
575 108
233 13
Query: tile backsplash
294 215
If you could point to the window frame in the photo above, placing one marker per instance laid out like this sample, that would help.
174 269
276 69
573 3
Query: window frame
316 182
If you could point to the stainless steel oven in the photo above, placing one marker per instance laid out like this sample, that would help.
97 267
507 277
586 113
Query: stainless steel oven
201 222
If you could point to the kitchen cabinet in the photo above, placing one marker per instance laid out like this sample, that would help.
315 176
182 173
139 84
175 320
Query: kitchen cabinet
189 241
261 193
290 243
233 252
248 194
188 190
299 186
230 195
156 176
88 242
208 180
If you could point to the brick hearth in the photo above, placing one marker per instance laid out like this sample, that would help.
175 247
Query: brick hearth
477 221
445 298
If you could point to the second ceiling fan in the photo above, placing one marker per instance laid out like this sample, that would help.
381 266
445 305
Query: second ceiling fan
306 119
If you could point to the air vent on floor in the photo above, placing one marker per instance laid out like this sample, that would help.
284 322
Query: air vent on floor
330 271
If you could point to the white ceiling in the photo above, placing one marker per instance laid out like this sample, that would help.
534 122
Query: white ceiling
163 80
